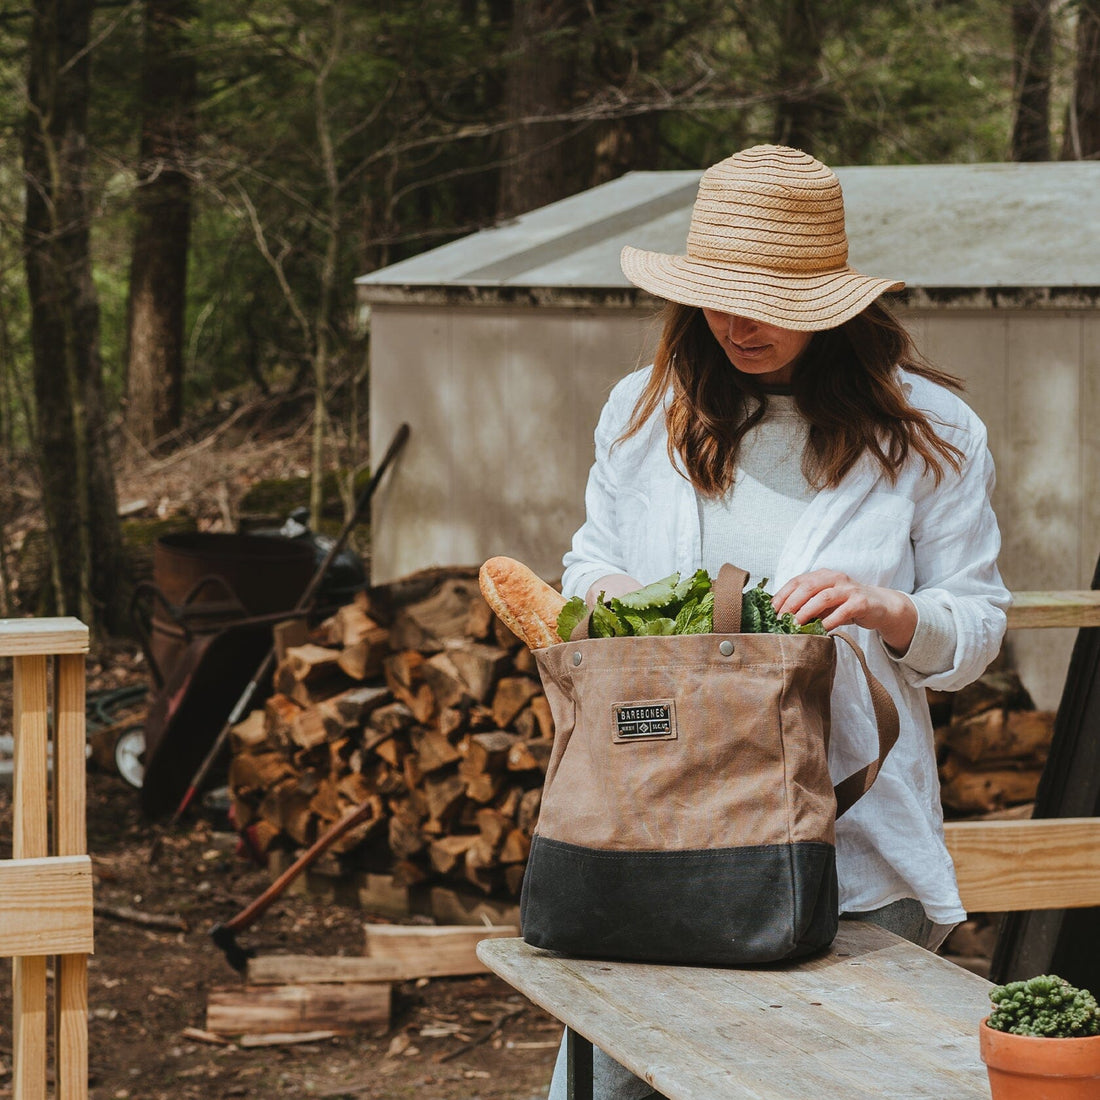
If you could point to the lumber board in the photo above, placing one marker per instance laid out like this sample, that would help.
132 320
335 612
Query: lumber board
71 1026
1054 609
289 1009
30 832
19 637
1048 863
432 951
29 1028
70 797
46 906
320 969
873 1017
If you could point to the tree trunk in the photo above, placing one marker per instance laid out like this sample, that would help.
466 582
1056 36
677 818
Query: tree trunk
158 269
77 476
797 117
540 79
1082 137
1031 35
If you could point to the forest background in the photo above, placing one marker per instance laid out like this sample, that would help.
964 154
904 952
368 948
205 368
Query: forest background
188 189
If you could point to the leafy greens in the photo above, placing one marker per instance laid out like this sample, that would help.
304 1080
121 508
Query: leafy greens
675 606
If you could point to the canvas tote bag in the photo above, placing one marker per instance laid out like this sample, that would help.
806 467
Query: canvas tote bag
687 811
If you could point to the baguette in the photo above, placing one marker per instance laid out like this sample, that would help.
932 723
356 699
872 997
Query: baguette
524 602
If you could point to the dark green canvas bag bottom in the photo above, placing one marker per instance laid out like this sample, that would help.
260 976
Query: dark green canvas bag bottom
723 907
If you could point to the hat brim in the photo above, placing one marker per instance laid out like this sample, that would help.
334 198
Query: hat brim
805 303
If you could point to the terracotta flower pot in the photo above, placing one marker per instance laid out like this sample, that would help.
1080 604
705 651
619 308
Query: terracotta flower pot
1022 1067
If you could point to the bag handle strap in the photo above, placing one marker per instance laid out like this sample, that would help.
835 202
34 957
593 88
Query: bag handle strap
728 586
849 791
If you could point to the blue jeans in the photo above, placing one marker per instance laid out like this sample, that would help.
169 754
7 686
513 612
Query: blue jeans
612 1081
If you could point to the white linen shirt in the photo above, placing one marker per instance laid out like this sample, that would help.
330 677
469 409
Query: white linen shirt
911 535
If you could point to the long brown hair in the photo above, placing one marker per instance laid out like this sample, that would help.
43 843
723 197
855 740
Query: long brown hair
845 384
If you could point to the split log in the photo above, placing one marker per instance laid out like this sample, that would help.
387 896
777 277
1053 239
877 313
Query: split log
530 755
433 750
488 752
512 694
340 1008
426 624
319 970
516 847
279 712
983 791
999 734
480 667
448 853
309 663
999 688
406 839
250 734
251 773
432 951
289 632
448 687
351 708
444 794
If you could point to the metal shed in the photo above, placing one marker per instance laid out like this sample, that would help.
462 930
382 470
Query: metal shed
499 349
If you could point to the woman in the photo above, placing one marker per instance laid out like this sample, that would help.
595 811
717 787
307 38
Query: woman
788 426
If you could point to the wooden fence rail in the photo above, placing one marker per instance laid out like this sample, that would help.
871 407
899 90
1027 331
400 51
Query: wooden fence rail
46 887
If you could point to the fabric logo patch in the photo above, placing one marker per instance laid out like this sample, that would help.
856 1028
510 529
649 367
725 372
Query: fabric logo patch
652 720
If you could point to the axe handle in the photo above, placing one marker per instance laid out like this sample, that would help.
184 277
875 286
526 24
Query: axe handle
256 908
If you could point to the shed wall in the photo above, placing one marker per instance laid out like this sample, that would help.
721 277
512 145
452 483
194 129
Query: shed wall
502 404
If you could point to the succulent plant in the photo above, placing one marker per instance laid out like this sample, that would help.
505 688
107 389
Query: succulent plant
1045 1006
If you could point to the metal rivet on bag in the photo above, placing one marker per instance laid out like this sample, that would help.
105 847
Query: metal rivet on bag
725 648
577 658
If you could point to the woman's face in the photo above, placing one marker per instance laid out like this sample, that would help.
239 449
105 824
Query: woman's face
766 351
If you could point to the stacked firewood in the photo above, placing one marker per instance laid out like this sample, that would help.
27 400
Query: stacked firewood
992 744
431 712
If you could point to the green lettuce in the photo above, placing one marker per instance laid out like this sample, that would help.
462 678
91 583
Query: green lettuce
676 606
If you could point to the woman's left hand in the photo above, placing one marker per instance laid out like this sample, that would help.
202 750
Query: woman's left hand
839 601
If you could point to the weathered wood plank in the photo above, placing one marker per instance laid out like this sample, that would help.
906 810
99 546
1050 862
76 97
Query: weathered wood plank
1054 609
320 969
432 951
296 1008
71 1015
70 840
30 833
29 1027
1003 866
70 742
46 906
60 635
873 1017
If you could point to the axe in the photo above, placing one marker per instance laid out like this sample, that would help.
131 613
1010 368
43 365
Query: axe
224 933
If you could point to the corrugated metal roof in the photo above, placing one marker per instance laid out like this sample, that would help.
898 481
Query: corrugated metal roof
938 226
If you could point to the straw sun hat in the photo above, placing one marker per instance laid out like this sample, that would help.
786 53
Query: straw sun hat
767 242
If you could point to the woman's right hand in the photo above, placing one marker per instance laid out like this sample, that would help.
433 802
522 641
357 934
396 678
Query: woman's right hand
614 584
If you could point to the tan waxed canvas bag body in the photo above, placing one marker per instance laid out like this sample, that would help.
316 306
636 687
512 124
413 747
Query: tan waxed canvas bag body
687 811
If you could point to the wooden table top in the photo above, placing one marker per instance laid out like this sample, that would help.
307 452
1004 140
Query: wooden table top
873 1017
